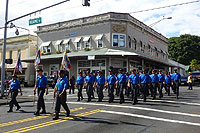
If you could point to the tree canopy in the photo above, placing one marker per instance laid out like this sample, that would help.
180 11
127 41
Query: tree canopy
194 65
184 49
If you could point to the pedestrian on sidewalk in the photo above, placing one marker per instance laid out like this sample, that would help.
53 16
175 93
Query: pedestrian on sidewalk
14 87
40 86
60 94
190 81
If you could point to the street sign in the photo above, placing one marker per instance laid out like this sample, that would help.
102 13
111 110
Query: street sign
35 21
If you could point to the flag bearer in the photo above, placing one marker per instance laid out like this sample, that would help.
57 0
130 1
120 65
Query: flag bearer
14 87
60 94
41 85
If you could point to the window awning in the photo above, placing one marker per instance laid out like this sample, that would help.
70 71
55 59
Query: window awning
78 39
66 41
86 39
99 37
45 44
58 42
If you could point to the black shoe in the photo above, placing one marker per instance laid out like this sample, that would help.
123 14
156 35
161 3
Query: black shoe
37 113
9 111
18 108
82 98
153 98
99 101
56 118
68 114
43 112
78 100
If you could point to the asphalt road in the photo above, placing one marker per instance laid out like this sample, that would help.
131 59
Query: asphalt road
166 115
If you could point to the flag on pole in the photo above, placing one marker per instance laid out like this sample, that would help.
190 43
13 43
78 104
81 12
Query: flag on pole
19 63
66 62
37 59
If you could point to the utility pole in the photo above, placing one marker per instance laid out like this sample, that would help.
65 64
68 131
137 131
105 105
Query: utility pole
4 51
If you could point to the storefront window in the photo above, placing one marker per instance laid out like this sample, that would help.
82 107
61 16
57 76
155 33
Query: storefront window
54 69
83 63
119 40
115 40
96 63
122 41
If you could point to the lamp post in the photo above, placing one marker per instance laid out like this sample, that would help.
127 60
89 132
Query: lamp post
4 51
153 24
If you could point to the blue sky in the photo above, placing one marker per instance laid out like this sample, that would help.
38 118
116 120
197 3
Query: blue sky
186 19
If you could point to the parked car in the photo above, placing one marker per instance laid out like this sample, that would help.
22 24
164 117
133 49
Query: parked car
184 80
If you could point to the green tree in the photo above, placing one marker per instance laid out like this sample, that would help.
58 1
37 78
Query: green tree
184 48
194 65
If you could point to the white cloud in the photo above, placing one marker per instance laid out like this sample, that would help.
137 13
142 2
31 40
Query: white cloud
186 18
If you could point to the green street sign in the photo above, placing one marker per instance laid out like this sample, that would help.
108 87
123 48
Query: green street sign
35 21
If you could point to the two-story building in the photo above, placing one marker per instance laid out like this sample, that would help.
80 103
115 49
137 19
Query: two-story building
100 41
26 45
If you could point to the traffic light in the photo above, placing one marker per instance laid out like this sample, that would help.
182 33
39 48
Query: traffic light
86 3
9 61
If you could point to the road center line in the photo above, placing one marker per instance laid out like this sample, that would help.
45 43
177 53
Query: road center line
35 118
49 123
138 108
152 118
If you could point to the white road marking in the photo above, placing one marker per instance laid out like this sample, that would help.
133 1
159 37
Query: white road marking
138 108
152 118
196 104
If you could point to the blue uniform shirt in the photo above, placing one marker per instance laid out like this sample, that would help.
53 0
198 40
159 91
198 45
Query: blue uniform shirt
145 78
134 79
80 80
111 79
15 85
176 76
93 78
88 79
154 78
62 83
121 78
42 81
100 80
168 79
161 77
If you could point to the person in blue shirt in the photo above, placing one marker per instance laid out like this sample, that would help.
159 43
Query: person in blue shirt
89 85
71 84
100 82
41 85
14 87
110 81
60 94
154 83
128 89
161 79
167 83
121 79
79 85
145 82
134 83
176 78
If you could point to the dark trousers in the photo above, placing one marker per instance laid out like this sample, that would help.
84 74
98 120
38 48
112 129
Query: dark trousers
190 86
13 101
71 89
117 90
40 102
144 89
121 92
154 89
160 89
100 92
89 90
176 85
61 101
80 95
168 88
128 90
134 90
110 92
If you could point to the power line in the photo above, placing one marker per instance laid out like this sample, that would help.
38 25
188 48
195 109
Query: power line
145 10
